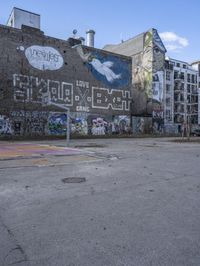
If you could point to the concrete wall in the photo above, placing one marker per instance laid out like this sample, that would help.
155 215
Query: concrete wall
37 70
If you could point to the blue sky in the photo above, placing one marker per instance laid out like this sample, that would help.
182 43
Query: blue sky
113 20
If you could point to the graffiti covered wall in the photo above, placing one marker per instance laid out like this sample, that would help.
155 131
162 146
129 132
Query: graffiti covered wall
141 125
40 76
5 125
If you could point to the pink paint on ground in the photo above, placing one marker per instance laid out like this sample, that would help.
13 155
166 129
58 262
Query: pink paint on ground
17 149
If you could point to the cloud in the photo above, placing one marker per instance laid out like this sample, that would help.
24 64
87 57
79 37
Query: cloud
173 42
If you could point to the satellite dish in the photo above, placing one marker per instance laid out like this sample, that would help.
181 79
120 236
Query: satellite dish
74 32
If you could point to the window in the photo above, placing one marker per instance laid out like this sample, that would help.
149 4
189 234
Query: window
168 75
188 88
184 66
168 89
175 74
178 64
168 115
182 75
168 101
193 79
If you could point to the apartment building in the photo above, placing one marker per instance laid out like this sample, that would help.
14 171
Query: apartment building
180 95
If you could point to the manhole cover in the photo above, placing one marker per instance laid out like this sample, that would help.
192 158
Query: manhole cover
73 179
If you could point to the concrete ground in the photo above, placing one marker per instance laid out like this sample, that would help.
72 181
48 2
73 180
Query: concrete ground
139 205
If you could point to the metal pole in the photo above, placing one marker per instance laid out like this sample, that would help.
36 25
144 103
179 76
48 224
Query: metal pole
68 126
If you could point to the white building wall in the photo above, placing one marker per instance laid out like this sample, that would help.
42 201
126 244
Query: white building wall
181 99
19 17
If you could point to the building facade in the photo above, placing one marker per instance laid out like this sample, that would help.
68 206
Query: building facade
40 76
165 91
181 95
123 88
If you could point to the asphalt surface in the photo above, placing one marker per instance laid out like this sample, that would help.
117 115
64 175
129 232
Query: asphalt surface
139 205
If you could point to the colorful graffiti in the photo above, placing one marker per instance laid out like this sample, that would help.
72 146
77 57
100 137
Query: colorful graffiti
138 125
147 63
158 121
141 125
111 70
79 126
57 124
158 42
29 122
142 67
99 126
5 125
116 125
121 125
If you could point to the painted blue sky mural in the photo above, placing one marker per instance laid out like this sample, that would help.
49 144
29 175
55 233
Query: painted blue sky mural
112 71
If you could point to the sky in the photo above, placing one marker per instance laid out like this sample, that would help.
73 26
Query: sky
177 21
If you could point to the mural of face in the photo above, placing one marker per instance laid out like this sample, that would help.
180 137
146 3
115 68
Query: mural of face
147 63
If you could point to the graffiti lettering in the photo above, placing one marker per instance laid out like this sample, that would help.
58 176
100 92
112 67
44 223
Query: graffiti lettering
44 58
32 89
114 99
82 109
83 84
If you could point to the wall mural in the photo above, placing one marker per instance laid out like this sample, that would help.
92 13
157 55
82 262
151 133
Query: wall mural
142 68
79 126
147 63
121 125
116 125
5 125
158 42
99 126
80 98
29 122
157 86
158 83
57 124
43 57
138 125
141 125
158 121
110 70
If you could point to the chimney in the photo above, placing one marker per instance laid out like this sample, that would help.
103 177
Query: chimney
90 38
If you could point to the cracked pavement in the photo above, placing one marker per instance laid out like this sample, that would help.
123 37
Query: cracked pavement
138 206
